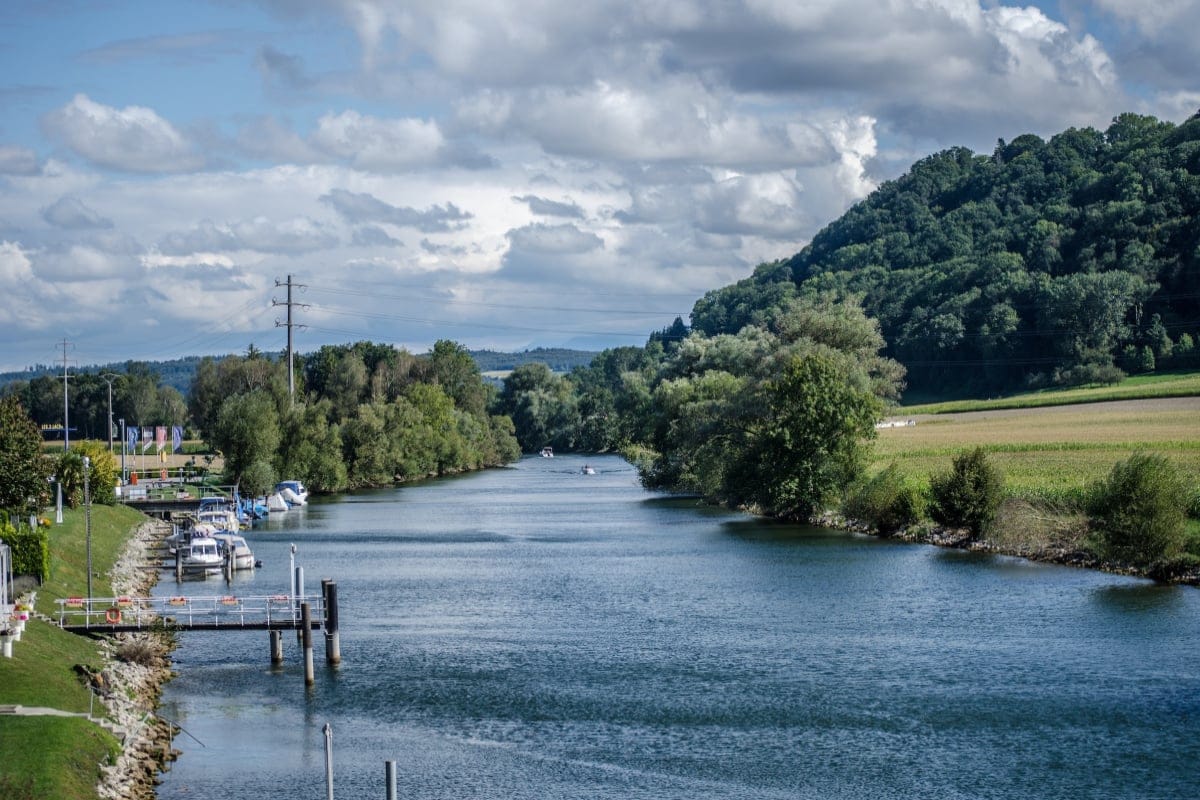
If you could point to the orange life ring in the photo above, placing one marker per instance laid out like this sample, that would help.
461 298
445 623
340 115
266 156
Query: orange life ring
112 616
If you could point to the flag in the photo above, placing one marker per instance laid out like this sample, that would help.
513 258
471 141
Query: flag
147 438
160 437
131 438
176 438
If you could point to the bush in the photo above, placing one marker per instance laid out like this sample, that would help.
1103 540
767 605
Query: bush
968 495
888 502
30 549
1137 512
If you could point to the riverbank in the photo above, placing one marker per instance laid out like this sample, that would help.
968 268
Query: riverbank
137 665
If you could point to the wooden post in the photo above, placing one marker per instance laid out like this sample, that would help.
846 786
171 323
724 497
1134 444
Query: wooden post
333 642
389 777
276 648
229 563
306 634
178 563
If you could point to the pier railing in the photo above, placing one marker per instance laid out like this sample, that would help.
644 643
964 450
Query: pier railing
180 612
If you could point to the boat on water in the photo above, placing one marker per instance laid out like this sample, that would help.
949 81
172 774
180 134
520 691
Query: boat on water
276 504
243 556
547 452
201 556
293 492
588 469
182 535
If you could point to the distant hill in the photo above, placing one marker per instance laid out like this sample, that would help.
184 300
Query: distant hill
179 372
1059 261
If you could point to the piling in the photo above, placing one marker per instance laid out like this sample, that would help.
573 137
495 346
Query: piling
306 634
298 589
333 641
229 563
276 648
389 778
178 563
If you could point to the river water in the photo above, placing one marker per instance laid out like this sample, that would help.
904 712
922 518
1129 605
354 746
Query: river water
533 632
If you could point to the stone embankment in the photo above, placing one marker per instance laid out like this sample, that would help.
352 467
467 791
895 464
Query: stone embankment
137 666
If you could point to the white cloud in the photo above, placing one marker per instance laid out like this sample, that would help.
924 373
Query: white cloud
17 161
293 236
132 139
377 144
72 213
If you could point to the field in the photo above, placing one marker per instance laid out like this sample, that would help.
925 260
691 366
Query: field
1049 452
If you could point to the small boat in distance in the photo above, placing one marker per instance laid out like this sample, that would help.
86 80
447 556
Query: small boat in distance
588 469
547 452
293 492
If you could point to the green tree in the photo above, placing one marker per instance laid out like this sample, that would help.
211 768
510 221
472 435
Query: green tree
246 431
23 469
1138 511
969 494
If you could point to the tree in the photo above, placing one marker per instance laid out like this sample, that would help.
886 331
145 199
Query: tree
969 494
246 431
1137 512
23 469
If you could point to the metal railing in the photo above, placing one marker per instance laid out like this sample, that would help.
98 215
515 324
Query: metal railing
279 611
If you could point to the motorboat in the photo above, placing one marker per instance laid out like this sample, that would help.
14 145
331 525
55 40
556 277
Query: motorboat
547 452
243 557
220 519
201 556
183 535
276 504
293 492
588 469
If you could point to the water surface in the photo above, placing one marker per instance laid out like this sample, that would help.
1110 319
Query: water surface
533 632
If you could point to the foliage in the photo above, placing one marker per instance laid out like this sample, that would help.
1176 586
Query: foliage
1047 258
968 495
542 407
30 549
246 431
888 501
23 470
1137 512
104 472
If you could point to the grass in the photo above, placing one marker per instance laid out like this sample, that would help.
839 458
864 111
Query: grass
57 757
1047 453
48 756
1140 387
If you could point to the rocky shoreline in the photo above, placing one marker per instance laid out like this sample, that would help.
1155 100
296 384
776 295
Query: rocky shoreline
137 665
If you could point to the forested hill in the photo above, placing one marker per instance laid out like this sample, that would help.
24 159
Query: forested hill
1054 261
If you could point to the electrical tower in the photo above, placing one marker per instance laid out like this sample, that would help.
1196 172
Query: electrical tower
289 325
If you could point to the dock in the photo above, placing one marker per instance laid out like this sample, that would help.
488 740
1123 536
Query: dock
103 615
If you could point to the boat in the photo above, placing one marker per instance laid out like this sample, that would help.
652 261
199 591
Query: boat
201 557
182 535
547 452
276 504
220 513
588 469
293 492
243 557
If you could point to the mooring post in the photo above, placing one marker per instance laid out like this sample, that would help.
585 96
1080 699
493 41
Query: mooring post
333 642
229 563
389 778
298 589
306 634
276 648
178 563
328 731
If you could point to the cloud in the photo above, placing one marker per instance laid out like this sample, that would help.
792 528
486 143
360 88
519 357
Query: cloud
384 145
282 69
553 239
373 236
18 161
190 48
73 214
362 207
550 208
294 236
132 139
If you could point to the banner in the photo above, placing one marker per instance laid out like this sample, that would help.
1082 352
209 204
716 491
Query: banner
147 438
131 438
160 437
176 438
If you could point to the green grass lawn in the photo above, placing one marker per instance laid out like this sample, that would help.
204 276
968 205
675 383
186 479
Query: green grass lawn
52 757
111 526
1135 388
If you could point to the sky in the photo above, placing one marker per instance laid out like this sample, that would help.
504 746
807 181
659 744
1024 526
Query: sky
503 173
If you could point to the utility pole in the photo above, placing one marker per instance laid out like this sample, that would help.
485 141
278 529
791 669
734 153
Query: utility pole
108 378
66 426
289 325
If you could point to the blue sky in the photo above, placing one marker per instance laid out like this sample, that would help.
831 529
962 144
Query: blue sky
504 174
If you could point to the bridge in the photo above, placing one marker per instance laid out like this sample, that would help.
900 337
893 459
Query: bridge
277 612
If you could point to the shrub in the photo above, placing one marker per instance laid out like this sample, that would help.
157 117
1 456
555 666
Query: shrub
887 501
968 495
30 549
1137 512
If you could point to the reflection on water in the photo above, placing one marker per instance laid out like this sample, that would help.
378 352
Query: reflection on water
539 633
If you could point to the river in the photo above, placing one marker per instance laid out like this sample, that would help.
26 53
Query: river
533 632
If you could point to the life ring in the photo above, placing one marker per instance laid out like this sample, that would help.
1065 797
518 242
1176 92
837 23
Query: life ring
113 616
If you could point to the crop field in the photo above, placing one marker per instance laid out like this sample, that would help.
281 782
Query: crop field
1054 451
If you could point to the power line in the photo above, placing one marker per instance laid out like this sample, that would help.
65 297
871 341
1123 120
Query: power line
290 326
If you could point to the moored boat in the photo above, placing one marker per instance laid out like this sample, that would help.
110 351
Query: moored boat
243 556
293 492
201 556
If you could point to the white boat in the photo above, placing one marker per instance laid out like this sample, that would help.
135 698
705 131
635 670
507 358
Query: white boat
276 504
182 535
224 519
588 469
293 492
547 452
201 556
243 557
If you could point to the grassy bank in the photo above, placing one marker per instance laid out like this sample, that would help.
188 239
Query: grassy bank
56 756
1140 387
